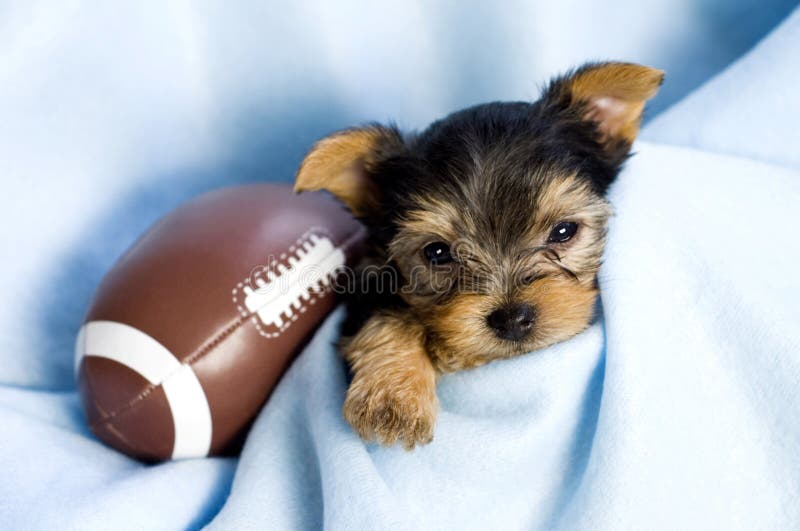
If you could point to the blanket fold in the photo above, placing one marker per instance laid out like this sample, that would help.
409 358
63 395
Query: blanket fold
672 410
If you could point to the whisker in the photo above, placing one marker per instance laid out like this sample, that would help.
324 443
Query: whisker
568 272
527 253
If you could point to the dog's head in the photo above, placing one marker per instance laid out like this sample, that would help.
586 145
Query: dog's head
495 217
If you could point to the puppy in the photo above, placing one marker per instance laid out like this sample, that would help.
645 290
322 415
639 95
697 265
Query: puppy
492 223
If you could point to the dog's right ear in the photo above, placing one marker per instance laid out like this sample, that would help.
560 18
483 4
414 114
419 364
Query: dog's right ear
611 95
341 164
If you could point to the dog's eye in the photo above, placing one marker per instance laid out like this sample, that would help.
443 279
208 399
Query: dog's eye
562 232
437 253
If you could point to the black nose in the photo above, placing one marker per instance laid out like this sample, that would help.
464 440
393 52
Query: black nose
513 321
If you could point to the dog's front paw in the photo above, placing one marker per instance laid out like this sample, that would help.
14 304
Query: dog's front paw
388 415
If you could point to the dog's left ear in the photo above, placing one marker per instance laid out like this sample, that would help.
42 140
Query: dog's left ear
612 95
342 162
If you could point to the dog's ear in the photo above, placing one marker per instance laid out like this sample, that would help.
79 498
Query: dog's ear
612 95
341 164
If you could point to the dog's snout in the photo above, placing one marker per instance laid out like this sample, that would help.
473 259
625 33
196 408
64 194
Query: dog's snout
513 321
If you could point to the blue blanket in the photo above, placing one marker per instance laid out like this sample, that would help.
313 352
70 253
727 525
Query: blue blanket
678 408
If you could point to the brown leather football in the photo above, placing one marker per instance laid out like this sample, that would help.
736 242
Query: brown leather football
192 328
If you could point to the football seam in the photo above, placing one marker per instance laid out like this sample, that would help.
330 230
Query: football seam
204 349
198 354
314 297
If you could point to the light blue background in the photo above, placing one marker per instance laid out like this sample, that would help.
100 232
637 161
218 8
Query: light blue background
112 114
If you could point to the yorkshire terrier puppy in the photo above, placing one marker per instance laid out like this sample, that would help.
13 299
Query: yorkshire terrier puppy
493 220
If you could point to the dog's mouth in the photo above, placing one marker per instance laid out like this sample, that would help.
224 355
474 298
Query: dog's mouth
478 348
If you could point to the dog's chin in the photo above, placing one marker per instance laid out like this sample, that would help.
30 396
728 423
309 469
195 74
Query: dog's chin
467 352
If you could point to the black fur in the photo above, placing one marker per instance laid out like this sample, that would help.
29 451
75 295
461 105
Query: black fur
514 140
532 136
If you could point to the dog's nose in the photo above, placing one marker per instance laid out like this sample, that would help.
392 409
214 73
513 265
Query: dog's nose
513 321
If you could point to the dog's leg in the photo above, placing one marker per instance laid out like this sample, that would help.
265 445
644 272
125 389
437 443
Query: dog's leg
392 397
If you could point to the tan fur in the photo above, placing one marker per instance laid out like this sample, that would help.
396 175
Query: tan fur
564 309
460 339
338 163
458 336
615 94
393 394
568 197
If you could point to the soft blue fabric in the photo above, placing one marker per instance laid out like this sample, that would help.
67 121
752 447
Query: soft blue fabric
678 408
750 110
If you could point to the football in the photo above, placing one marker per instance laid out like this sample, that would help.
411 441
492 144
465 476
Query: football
194 325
